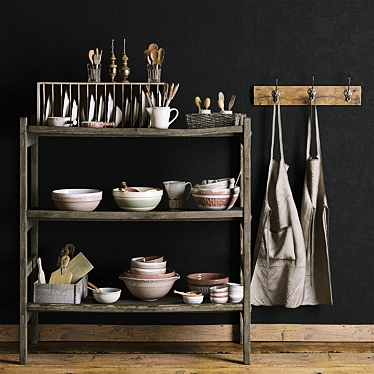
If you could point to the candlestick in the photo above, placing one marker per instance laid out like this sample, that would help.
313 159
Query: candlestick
112 65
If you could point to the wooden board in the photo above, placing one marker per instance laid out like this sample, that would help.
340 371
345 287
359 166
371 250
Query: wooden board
298 95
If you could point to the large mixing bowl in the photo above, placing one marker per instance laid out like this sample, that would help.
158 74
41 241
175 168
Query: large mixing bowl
143 201
80 199
215 199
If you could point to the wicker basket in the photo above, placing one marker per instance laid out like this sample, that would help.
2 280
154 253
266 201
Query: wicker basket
198 121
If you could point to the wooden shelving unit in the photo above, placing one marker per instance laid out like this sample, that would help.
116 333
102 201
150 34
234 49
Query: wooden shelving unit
31 214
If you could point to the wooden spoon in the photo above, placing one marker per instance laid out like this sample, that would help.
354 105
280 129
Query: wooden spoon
188 294
91 53
93 286
161 55
198 102
207 103
152 46
221 96
220 104
154 56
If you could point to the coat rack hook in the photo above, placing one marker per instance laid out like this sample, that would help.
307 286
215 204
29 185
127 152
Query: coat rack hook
311 91
348 92
275 93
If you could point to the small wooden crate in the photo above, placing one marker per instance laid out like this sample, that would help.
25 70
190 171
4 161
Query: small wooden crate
60 293
198 121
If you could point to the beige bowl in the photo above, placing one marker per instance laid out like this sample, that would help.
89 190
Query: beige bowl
59 121
169 273
216 183
148 271
79 199
215 199
143 201
149 289
137 262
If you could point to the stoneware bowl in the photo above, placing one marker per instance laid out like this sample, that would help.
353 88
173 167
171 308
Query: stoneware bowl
108 295
59 121
143 201
203 281
80 199
219 300
219 289
235 298
149 289
148 271
169 273
215 199
193 299
137 262
216 183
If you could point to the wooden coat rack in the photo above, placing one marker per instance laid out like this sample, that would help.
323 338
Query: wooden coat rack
302 95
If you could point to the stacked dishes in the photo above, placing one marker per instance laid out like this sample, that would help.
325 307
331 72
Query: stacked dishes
148 278
219 294
203 281
235 292
219 194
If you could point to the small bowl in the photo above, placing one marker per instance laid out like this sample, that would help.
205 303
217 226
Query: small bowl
235 299
148 271
219 294
215 199
143 201
216 183
169 273
59 121
149 289
137 262
108 295
193 299
203 281
78 199
219 300
219 289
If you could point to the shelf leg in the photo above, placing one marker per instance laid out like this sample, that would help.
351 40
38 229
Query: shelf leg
35 328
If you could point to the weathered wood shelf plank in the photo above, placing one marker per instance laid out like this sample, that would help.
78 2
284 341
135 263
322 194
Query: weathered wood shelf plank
298 95
167 304
186 215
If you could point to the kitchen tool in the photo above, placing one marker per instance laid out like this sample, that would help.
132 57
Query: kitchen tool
91 53
165 91
63 275
231 102
154 56
220 104
221 96
161 55
207 103
198 102
79 266
68 250
191 293
147 52
97 57
95 287
128 189
152 46
174 91
41 275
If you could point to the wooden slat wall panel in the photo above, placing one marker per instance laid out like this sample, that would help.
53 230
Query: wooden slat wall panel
196 333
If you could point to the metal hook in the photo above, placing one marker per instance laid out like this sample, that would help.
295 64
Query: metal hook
348 92
311 91
275 93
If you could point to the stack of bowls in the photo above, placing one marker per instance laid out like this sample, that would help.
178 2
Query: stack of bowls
219 294
220 194
148 278
235 292
203 281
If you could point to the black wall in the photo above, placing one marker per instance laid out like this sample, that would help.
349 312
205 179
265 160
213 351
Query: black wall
211 46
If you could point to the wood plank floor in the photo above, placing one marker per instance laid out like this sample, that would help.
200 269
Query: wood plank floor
189 358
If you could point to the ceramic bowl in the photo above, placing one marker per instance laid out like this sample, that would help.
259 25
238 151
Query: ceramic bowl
193 299
215 199
143 201
216 183
219 300
79 199
219 289
149 289
148 271
235 299
59 121
169 273
203 281
108 295
137 262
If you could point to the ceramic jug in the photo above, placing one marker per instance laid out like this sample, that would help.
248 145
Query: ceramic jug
160 116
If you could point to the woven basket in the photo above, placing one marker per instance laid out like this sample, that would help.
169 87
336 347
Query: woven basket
198 121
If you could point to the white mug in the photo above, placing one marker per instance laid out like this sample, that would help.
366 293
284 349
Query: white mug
160 116
176 192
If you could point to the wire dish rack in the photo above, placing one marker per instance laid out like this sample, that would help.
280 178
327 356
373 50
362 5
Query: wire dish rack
197 121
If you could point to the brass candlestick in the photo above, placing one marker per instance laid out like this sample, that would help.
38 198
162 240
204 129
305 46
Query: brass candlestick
125 70
112 66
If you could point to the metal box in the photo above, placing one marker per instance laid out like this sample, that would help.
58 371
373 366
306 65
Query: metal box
60 293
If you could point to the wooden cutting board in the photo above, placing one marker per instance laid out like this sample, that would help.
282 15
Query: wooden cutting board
63 275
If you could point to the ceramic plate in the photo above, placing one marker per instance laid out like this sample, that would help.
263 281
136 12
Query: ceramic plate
100 108
135 114
110 108
127 113
118 118
65 108
91 110
48 109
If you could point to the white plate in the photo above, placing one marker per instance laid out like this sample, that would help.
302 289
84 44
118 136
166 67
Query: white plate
65 108
144 112
83 116
109 108
127 113
135 113
74 111
91 110
100 109
118 117
47 110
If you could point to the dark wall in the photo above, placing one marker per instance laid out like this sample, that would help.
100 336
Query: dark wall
211 46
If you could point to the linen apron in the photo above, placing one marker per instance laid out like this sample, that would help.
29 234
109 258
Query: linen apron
314 221
279 253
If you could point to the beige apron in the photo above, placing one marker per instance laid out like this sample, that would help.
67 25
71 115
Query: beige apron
314 221
279 254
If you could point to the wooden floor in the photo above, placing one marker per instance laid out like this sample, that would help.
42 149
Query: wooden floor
189 358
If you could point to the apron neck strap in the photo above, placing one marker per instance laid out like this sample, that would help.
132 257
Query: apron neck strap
276 109
309 139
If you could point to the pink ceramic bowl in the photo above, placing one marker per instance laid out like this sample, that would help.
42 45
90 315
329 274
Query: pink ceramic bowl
156 262
216 183
215 199
79 199
169 273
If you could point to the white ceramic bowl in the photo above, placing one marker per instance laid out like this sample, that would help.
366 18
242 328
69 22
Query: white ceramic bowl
193 299
219 300
149 289
216 183
148 271
59 121
215 198
135 263
79 199
143 201
108 296
235 299
219 289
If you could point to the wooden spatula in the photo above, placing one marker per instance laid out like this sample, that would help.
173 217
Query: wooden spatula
62 275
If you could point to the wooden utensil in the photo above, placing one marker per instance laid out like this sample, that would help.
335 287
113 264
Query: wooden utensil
161 55
91 53
188 294
221 96
220 104
154 56
63 275
207 103
41 275
231 102
152 46
198 102
95 287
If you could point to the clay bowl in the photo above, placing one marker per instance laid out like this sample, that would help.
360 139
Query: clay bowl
149 289
143 201
203 281
216 183
79 199
148 271
215 199
169 273
150 262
